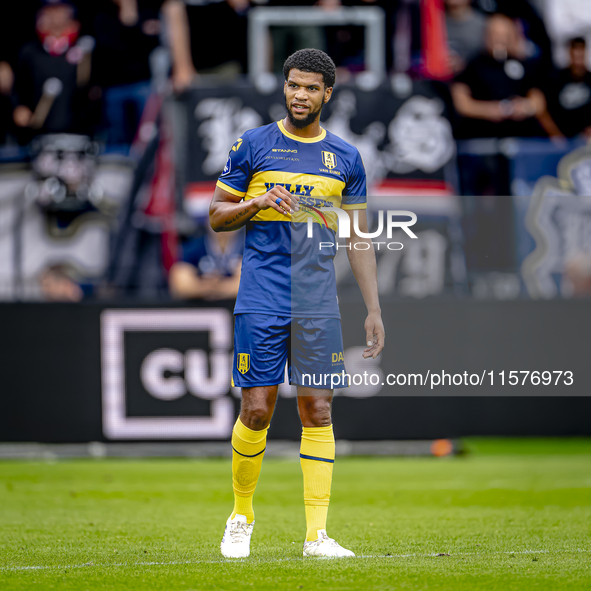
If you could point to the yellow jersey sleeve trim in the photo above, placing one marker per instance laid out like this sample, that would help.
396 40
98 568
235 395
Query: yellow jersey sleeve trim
354 206
230 189
297 138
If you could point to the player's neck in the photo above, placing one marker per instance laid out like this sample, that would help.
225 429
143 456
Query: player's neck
311 131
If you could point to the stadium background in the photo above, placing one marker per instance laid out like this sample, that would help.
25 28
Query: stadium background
105 182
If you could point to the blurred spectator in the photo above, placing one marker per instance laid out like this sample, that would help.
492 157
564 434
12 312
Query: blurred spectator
498 94
570 102
566 19
194 49
405 40
536 44
6 80
210 267
126 32
17 27
58 285
6 83
465 33
61 106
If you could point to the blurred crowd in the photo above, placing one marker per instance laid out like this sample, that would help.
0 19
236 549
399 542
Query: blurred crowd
505 84
514 68
85 67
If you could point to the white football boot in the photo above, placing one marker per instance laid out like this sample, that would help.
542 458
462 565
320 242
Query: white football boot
236 540
325 547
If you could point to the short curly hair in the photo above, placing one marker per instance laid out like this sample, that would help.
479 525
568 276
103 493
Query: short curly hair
311 60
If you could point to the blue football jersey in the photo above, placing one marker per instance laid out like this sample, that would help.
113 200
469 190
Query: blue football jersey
284 272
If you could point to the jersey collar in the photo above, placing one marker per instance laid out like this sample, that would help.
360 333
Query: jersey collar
297 138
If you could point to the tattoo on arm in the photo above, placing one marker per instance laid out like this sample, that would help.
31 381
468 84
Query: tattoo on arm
236 218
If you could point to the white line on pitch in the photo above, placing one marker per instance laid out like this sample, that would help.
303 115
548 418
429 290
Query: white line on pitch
255 560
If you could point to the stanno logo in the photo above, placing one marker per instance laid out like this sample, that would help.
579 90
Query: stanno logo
329 159
243 362
237 145
285 151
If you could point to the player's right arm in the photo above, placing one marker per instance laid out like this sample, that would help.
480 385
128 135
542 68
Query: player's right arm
229 212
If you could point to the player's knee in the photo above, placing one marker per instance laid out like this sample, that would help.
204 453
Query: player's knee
256 418
320 420
317 414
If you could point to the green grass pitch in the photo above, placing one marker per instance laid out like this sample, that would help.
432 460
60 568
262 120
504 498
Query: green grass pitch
508 515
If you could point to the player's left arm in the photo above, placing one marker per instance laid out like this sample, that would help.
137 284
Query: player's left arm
363 264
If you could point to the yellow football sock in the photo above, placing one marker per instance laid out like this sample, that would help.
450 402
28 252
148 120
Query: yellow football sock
317 458
247 456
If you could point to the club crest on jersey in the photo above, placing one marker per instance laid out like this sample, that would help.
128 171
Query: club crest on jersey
329 159
243 362
237 145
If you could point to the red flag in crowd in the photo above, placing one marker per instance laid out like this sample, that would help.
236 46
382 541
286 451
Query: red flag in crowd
434 34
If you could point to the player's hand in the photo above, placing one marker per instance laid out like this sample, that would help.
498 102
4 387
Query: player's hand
279 199
375 335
